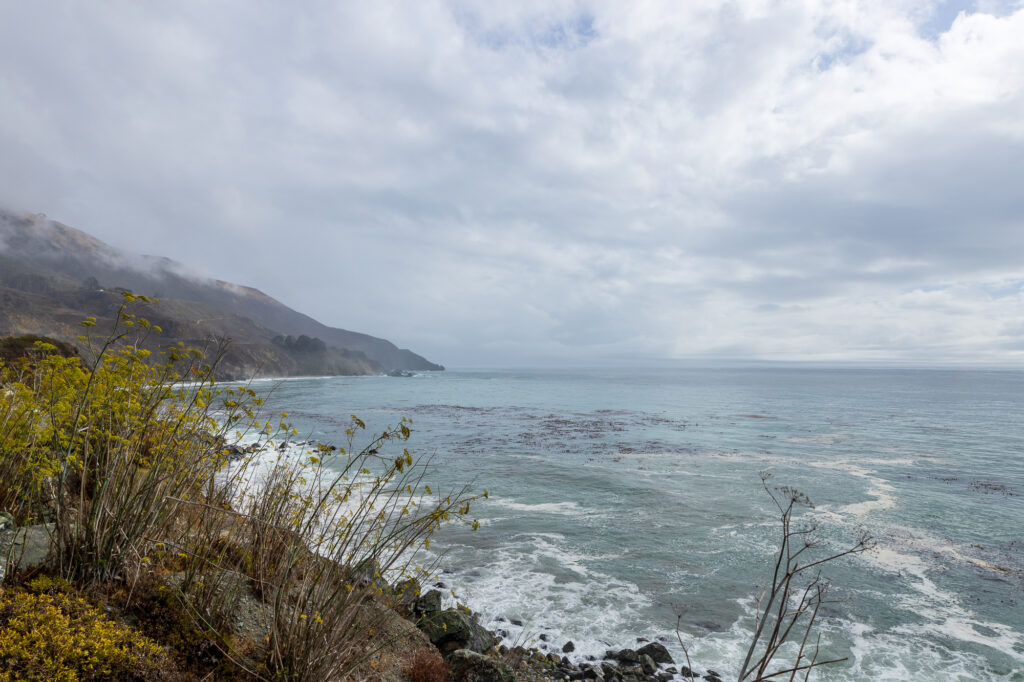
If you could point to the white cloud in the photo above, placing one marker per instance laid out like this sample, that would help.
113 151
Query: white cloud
495 182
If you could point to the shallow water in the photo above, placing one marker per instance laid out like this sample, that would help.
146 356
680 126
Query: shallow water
623 499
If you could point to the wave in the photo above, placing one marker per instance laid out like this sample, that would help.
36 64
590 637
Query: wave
567 508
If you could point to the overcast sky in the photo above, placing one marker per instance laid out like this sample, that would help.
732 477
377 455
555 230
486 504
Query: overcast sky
502 183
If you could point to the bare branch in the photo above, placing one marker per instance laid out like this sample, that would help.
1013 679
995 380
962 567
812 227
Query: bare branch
790 607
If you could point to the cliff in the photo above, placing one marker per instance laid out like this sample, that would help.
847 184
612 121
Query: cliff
52 276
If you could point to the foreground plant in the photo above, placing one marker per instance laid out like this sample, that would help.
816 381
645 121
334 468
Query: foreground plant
48 632
788 607
107 450
127 456
319 536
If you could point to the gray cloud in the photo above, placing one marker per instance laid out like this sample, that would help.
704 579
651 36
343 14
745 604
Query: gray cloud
576 180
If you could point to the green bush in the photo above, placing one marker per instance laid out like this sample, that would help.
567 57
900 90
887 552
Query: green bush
47 632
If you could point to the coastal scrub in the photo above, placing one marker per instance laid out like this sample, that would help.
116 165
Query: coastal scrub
135 461
47 632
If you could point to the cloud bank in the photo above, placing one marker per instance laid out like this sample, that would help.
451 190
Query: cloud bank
552 181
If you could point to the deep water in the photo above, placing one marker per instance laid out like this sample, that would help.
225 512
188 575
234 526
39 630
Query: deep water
623 499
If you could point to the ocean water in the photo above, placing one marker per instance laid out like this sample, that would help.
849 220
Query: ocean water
623 501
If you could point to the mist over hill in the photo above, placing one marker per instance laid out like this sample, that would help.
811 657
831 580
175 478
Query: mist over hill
52 276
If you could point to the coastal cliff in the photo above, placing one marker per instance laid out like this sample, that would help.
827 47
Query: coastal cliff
52 276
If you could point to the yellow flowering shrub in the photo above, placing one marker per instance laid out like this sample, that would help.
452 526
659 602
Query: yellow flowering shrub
47 632
112 449
123 455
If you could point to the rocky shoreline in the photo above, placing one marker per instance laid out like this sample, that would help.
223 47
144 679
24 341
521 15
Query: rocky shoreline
476 654
471 652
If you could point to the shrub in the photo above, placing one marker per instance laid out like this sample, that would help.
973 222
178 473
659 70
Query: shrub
47 632
111 451
319 538
132 466
426 665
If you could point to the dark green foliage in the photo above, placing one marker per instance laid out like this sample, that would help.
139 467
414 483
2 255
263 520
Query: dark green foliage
13 348
302 344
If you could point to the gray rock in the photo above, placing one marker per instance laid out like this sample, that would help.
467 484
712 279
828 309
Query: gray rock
405 595
452 629
469 666
624 656
648 665
429 603
235 452
6 521
610 671
568 648
27 547
657 652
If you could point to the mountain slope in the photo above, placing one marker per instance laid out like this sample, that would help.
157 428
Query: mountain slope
52 275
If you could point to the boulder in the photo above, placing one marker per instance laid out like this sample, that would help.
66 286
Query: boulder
428 604
469 666
6 521
648 665
452 629
624 656
31 547
610 672
568 648
657 652
405 595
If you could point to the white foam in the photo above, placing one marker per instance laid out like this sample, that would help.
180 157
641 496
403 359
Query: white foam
567 508
906 653
882 491
942 610
538 579
823 439
900 656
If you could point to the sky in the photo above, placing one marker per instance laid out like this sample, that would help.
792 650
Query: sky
548 182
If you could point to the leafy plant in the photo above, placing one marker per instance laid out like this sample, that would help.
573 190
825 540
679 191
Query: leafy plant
48 632
319 537
129 456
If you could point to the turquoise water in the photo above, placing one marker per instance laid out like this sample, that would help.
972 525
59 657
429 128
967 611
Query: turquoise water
623 499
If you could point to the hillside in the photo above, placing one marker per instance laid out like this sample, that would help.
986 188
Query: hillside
52 276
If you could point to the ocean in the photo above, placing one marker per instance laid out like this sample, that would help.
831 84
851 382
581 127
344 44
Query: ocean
623 501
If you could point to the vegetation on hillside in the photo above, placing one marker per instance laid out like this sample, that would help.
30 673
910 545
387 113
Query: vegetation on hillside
132 461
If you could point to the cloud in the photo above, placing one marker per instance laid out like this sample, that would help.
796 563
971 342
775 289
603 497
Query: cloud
568 180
